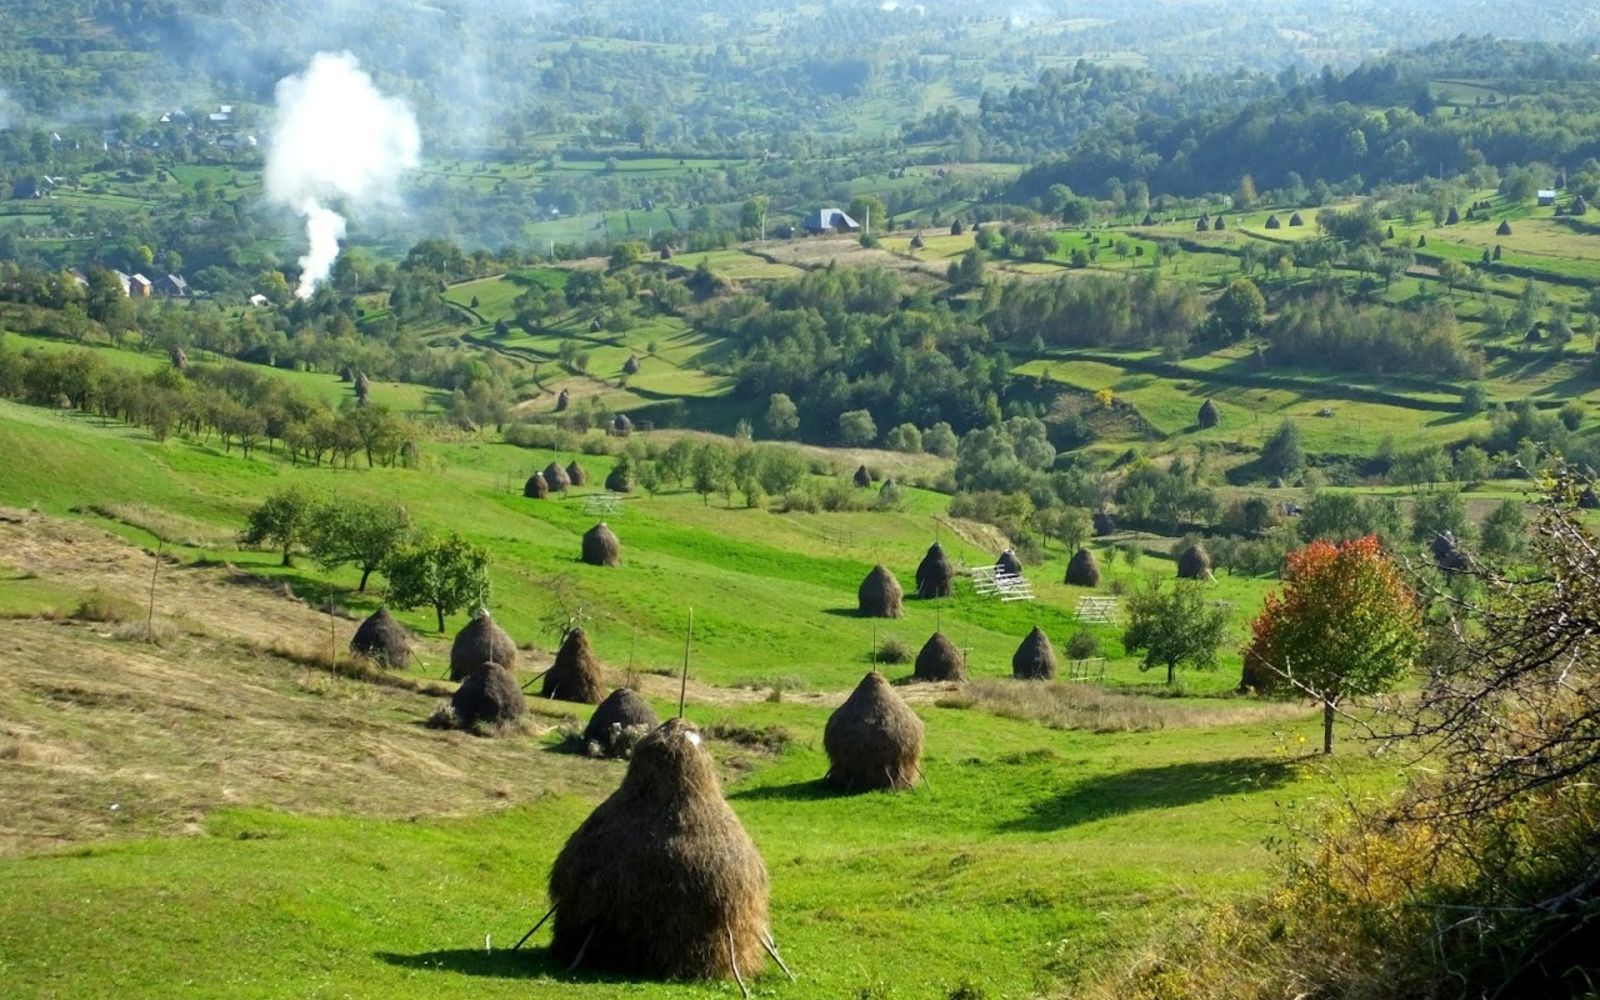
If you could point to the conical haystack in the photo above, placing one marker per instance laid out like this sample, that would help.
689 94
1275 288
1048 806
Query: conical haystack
482 641
863 478
1035 659
939 660
631 366
1083 570
382 640
576 676
489 695
600 546
1008 563
1104 524
935 575
1208 415
536 487
556 477
575 474
624 713
873 740
880 594
563 401
662 880
1194 563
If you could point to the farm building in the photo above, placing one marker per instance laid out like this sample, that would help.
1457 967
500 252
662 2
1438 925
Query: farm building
139 287
173 286
1547 197
831 220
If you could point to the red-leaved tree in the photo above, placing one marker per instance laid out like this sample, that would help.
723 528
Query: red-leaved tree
1345 625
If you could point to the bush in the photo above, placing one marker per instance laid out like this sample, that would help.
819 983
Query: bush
894 651
1083 645
835 496
103 606
801 502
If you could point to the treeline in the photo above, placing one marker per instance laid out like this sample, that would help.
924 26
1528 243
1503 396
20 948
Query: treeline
1329 331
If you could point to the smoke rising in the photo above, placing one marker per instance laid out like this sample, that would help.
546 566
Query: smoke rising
337 144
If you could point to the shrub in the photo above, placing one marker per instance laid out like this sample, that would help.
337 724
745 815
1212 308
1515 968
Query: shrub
893 650
103 606
1083 645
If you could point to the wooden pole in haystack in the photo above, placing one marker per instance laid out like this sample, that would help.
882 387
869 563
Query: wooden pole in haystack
150 613
683 684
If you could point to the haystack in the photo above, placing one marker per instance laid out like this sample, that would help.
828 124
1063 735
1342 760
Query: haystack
874 740
576 676
863 478
939 660
595 326
1296 220
383 640
556 477
661 880
631 366
620 478
600 546
622 715
935 575
1194 563
482 641
1208 415
1104 524
1008 563
622 425
489 695
1589 499
1273 223
575 474
179 359
1083 570
1035 659
880 594
536 487
917 242
1504 229
563 401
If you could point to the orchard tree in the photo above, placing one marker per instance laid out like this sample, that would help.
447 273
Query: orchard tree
444 572
1177 627
1238 312
1282 452
363 533
1345 625
283 521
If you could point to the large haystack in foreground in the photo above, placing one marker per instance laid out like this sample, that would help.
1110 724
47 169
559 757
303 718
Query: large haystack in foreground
489 696
600 546
880 594
939 660
382 640
661 880
618 724
576 676
1083 570
935 575
482 641
873 740
1035 659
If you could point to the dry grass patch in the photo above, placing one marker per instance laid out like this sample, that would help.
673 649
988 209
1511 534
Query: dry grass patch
1097 709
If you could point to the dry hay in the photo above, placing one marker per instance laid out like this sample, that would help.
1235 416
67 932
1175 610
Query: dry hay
563 401
880 595
618 724
631 366
480 642
382 639
575 474
489 696
556 477
1035 659
939 660
1104 524
1194 563
600 546
662 880
1208 415
575 676
935 574
873 740
863 478
1083 570
1008 563
536 488
618 480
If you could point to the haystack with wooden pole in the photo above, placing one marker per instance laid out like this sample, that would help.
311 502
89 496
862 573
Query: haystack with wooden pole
536 488
480 642
880 595
1194 563
575 676
556 477
1082 569
1008 563
620 722
939 660
601 547
576 475
1035 659
873 740
490 695
935 574
382 639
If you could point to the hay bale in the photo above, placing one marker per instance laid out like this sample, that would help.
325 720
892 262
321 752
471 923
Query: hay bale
879 595
563 401
1104 524
1504 229
935 574
1194 563
939 660
863 478
1035 659
1202 226
1083 570
873 740
595 326
179 359
666 253
489 695
1208 416
917 243
1589 499
1273 223
1295 220
600 546
1008 563
1220 225
556 477
621 425
631 366
619 479
575 474
575 676
1148 220
662 880
382 640
1447 553
482 641
536 488
347 374
623 712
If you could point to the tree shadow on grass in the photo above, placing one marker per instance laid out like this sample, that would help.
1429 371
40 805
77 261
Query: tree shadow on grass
1172 785
502 963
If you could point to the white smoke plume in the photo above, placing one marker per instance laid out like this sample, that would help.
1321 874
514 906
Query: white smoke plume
336 142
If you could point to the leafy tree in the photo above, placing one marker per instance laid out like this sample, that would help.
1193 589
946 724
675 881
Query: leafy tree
347 531
783 417
1344 625
712 469
1437 512
1238 312
283 521
940 439
856 428
1177 627
905 437
447 573
869 210
1282 453
1505 531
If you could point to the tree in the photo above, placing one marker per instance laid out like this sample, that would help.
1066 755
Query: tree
447 573
355 532
1282 453
1174 627
625 255
869 211
940 439
857 429
783 417
1504 534
1345 625
1239 311
1437 512
282 521
905 437
712 469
